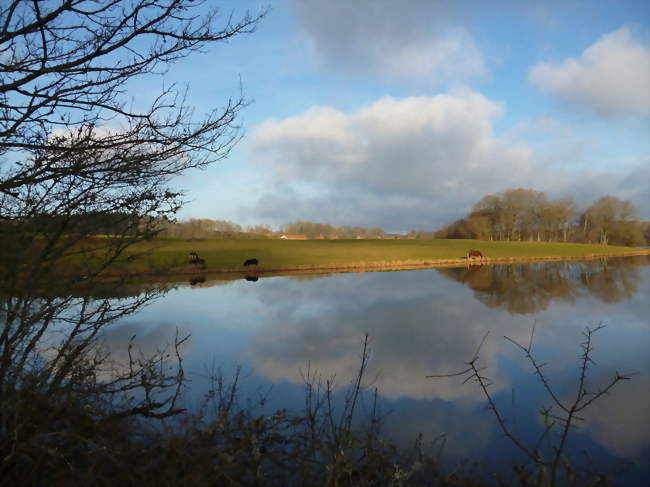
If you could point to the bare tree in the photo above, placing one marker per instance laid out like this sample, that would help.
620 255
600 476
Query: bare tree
85 173
526 214
72 144
552 219
609 217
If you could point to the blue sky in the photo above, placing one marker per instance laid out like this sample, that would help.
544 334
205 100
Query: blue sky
402 114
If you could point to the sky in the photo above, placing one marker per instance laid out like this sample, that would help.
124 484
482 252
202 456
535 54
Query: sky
403 114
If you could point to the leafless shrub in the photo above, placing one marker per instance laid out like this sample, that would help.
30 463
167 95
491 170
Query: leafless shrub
551 467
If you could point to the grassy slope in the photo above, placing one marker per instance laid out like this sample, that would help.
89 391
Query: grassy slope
282 254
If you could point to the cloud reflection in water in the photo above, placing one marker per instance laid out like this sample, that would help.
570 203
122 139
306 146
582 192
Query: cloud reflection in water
420 324
431 321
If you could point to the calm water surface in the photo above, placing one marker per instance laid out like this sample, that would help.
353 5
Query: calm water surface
430 322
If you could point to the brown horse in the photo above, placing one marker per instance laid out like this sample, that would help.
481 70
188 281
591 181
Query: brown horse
474 253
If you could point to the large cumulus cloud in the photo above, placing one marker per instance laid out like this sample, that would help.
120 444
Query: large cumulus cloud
418 41
410 160
611 77
416 162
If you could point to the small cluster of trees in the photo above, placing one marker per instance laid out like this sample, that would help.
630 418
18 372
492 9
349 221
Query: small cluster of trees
529 215
611 220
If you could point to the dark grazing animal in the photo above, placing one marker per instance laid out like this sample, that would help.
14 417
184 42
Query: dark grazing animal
194 258
474 253
251 262
251 278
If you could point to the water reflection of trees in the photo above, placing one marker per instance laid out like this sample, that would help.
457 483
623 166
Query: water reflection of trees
612 281
530 288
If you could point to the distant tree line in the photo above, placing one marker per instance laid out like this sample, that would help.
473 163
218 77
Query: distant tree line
76 223
529 215
207 228
511 215
325 230
108 223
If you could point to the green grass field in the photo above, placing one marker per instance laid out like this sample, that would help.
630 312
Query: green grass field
229 255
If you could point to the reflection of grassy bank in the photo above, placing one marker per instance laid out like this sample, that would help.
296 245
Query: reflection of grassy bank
171 256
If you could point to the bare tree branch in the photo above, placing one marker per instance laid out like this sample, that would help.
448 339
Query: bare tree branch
85 173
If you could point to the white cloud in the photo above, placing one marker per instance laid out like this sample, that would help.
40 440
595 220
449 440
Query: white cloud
419 156
83 132
420 162
413 146
415 41
612 77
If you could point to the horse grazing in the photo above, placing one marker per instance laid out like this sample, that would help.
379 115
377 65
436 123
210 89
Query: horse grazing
194 258
251 262
474 253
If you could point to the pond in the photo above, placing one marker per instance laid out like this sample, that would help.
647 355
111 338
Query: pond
431 322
